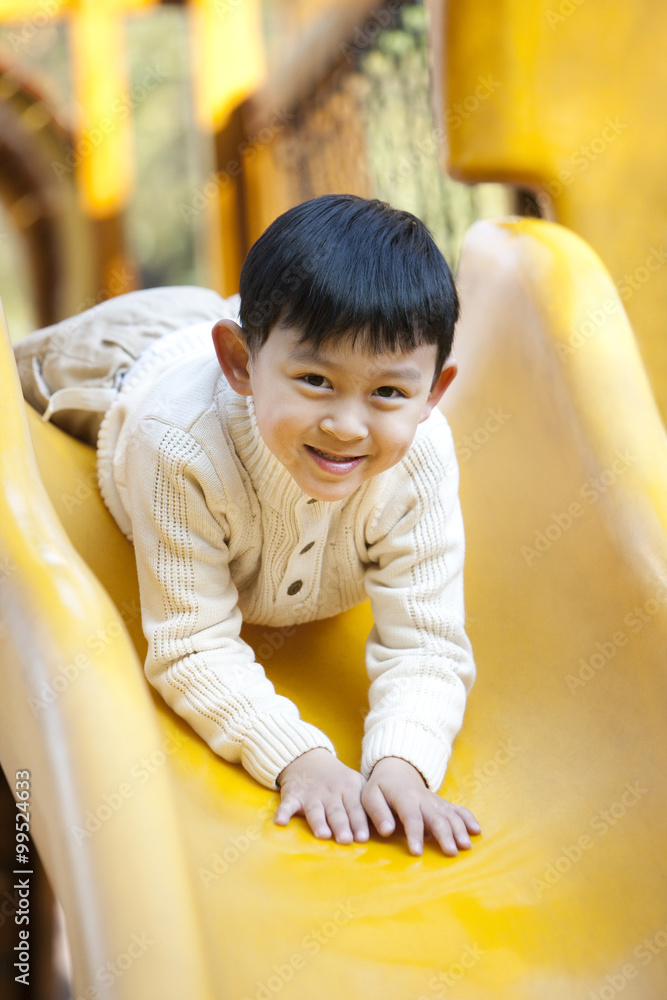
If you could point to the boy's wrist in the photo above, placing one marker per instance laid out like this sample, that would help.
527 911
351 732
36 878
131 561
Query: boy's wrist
311 750
385 763
407 740
274 742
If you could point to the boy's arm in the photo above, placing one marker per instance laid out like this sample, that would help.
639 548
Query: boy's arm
196 658
418 656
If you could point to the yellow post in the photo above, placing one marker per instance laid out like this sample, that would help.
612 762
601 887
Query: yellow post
228 63
103 150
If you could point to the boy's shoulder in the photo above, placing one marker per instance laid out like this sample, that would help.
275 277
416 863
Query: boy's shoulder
174 382
170 394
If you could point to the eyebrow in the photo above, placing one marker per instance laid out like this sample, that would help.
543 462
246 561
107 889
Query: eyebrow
399 374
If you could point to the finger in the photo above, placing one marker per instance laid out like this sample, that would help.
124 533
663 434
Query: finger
339 823
471 823
357 819
442 831
288 807
459 831
413 824
377 809
317 820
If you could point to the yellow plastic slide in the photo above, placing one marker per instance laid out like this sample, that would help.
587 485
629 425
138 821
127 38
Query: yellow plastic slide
174 880
560 96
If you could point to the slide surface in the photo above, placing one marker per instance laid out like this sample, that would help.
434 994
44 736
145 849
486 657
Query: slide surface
175 881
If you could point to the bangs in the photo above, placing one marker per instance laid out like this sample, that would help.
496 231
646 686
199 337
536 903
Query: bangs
341 267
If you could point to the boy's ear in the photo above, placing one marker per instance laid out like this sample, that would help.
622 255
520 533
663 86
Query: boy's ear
443 381
232 355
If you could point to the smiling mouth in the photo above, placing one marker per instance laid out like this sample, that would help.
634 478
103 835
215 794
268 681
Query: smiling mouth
335 458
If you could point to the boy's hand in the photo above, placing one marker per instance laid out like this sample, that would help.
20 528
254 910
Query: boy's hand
318 786
396 785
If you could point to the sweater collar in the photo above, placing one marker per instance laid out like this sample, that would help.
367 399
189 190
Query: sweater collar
271 480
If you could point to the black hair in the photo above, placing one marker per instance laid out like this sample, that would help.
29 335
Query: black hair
340 266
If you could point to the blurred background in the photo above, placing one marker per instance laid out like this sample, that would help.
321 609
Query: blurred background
146 143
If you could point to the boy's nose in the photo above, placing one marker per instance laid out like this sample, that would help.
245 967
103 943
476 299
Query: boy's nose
345 423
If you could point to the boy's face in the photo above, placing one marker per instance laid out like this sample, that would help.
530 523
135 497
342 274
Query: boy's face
337 416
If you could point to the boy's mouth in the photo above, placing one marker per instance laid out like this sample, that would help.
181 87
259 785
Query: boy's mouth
334 463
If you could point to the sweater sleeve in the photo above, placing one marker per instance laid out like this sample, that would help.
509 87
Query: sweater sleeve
191 619
418 655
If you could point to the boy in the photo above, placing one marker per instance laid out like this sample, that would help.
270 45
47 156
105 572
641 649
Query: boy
283 477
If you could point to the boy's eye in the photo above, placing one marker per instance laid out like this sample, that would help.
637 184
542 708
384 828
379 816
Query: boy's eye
316 380
389 392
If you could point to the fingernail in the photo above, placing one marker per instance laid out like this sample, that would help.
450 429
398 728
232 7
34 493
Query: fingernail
386 828
416 849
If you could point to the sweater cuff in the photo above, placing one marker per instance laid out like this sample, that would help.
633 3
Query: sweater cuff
274 742
421 747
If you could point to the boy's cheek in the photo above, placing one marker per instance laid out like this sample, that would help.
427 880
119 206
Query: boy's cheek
275 419
401 435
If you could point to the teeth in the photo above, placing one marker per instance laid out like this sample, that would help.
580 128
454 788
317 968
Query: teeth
334 458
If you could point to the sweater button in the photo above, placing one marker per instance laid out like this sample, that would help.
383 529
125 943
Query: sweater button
306 548
295 587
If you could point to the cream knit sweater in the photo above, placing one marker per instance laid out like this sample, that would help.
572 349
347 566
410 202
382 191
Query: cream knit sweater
223 533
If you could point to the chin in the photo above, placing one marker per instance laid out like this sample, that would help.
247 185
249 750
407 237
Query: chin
334 492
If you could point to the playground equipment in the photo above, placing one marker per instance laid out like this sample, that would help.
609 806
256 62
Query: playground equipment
172 876
566 98
68 164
